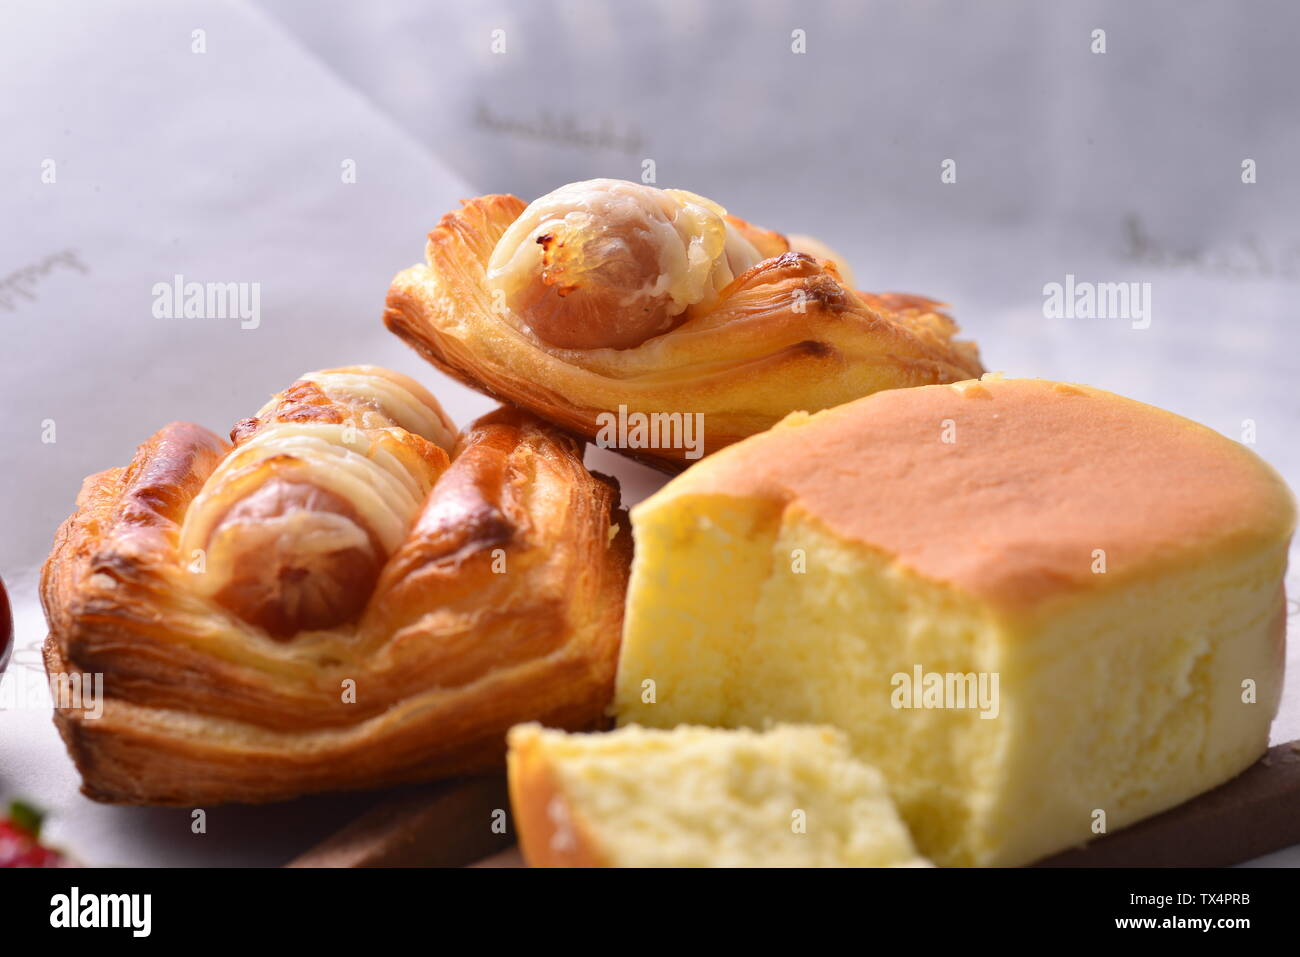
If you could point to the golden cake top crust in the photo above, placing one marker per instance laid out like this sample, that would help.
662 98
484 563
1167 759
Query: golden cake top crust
1006 488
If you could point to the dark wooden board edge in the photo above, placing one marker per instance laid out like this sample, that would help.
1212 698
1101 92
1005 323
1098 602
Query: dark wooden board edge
450 824
1255 813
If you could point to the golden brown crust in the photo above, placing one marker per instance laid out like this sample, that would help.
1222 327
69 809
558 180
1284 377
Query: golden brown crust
1005 488
785 335
550 828
503 604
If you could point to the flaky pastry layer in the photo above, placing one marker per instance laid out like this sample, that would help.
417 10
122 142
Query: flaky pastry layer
501 603
785 335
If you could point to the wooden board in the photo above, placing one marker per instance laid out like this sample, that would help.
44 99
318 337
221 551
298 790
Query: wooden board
449 824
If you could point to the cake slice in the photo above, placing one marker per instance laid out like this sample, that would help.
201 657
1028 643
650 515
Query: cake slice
700 797
1043 611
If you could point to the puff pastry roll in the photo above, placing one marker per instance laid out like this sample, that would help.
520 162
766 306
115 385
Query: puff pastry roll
607 298
349 595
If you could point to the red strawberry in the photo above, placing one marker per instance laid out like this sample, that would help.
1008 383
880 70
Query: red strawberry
6 628
20 844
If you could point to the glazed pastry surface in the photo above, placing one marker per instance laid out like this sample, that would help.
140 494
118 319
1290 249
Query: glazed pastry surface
351 595
606 295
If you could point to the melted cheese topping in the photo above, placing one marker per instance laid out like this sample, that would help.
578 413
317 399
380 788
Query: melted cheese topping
366 474
386 397
367 461
699 253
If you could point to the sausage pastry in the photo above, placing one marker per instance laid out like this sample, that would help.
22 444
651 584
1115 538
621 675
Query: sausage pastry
348 594
607 303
